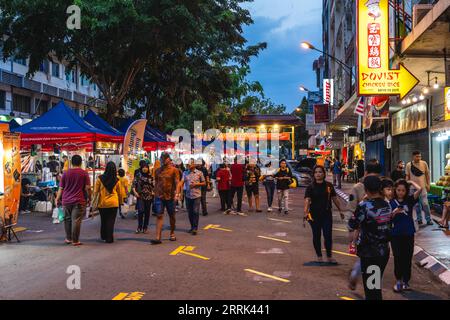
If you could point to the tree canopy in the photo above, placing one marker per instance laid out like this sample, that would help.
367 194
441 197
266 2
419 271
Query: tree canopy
163 54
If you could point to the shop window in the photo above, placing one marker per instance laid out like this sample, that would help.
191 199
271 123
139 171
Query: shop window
21 103
20 61
41 106
2 100
55 69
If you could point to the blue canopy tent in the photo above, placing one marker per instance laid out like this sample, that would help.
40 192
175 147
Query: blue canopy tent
95 120
61 125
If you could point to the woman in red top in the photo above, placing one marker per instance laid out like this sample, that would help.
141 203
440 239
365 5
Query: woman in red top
223 178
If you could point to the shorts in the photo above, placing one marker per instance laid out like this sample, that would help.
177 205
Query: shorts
159 205
252 190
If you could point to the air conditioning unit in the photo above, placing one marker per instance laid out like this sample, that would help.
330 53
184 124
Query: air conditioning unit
419 12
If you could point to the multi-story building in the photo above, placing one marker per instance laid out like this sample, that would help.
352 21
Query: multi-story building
25 98
419 38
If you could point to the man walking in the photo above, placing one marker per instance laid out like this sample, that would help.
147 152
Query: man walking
337 173
418 172
193 180
75 191
399 172
167 178
237 184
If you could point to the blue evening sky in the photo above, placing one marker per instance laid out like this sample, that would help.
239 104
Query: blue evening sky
284 65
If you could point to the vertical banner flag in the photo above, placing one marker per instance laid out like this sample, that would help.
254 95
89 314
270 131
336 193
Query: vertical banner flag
447 103
132 145
328 91
11 166
374 74
359 109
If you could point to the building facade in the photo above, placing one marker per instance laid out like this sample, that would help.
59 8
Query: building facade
24 98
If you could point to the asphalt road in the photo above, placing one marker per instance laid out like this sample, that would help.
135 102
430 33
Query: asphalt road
236 263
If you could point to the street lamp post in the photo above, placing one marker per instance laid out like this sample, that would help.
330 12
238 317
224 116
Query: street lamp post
346 67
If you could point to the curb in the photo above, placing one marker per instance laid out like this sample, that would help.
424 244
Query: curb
422 258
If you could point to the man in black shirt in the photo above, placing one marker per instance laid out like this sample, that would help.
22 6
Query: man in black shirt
399 172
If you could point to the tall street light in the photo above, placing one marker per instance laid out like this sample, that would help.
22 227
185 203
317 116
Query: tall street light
307 45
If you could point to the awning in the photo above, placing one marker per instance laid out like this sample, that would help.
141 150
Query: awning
61 125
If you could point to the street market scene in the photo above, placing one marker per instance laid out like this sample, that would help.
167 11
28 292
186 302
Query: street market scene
225 150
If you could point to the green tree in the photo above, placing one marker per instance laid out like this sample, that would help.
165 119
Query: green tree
180 49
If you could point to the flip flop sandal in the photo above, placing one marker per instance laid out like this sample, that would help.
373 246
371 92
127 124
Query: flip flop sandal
173 238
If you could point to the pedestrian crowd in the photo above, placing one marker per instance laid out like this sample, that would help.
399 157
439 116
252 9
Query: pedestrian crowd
379 212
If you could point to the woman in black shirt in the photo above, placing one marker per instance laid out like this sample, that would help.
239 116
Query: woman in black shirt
318 211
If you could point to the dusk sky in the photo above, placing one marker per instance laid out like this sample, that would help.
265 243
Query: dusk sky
284 65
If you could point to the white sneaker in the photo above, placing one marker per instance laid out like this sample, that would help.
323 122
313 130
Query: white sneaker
242 214
269 209
55 221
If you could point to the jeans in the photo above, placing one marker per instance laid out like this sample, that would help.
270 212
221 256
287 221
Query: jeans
403 249
225 202
203 202
240 193
144 209
270 191
337 178
423 205
283 199
108 219
381 262
73 215
193 208
318 226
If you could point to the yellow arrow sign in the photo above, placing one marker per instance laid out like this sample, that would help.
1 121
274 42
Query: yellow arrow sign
216 227
374 74
186 250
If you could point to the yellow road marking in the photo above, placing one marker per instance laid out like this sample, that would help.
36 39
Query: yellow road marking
346 298
343 253
274 239
273 219
129 296
337 229
186 250
267 275
216 227
19 229
120 296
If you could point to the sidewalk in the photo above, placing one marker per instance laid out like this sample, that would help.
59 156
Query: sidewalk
432 249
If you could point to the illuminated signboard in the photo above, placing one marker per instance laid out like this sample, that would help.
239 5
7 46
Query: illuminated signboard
328 91
374 75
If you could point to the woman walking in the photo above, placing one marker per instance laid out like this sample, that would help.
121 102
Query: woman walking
318 205
252 174
107 189
284 179
402 242
268 178
143 191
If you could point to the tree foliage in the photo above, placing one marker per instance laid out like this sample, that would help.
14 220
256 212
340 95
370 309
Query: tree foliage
163 54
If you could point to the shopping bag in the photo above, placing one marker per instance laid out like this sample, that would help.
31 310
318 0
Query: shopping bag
55 214
130 200
61 214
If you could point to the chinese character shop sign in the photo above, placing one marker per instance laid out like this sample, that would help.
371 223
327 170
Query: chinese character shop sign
374 75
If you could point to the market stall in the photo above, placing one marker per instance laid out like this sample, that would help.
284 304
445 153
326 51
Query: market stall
46 141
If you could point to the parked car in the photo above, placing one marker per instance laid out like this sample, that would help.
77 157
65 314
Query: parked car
304 168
